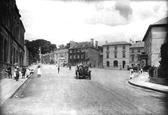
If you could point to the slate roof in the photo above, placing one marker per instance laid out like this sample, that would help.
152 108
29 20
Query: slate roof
137 45
162 21
117 43
81 45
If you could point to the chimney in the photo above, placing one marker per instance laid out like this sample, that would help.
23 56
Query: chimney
72 43
92 42
96 44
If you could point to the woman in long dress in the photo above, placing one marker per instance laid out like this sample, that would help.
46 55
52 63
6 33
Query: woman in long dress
38 71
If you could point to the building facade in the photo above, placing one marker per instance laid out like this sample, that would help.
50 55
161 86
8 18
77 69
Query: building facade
61 57
154 38
11 36
136 49
116 55
85 53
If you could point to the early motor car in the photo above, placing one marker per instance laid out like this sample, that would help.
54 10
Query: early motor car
83 72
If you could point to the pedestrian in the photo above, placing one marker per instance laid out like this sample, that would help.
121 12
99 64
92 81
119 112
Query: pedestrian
69 66
131 73
9 71
23 71
38 71
58 68
16 71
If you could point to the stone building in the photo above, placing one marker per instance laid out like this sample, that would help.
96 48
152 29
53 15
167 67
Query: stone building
11 36
61 57
154 38
136 49
116 55
85 53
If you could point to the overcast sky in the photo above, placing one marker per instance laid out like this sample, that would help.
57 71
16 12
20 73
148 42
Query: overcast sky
60 21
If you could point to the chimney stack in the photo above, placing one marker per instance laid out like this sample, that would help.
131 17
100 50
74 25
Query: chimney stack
96 44
92 42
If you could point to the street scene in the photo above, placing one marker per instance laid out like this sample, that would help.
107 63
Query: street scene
107 93
83 57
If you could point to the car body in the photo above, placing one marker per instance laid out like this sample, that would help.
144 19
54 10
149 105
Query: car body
83 72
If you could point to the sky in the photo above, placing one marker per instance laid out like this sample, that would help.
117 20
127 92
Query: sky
62 21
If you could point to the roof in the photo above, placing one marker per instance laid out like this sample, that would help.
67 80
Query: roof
81 45
117 43
162 22
137 45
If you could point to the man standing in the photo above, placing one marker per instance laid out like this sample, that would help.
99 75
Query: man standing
9 72
58 68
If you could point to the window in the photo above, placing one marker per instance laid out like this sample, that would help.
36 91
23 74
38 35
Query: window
132 50
78 57
70 57
74 56
132 57
115 47
70 51
108 64
107 47
115 54
115 63
107 56
123 54
123 47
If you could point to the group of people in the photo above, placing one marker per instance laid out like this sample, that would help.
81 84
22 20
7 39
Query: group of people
18 72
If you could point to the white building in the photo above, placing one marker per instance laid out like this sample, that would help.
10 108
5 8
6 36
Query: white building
116 55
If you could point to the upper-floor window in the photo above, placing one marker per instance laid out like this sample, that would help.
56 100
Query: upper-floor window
115 54
107 47
70 51
70 57
123 47
123 54
132 50
115 47
132 57
107 56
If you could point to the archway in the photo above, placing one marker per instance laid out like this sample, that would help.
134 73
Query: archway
115 63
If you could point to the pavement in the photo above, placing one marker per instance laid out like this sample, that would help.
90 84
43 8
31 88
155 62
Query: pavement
9 86
143 81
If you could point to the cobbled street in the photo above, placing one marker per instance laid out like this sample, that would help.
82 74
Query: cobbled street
107 93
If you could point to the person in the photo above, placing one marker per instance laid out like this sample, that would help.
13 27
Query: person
23 71
9 71
58 68
16 71
69 66
38 71
131 73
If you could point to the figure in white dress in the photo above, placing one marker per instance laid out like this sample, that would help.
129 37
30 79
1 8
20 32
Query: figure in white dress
38 71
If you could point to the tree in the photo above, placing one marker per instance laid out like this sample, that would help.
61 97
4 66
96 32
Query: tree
33 46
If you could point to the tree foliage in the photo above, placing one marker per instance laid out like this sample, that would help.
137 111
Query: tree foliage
34 46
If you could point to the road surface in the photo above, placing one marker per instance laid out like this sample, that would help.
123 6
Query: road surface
107 93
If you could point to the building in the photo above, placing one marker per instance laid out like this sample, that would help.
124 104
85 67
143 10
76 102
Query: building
154 37
61 56
136 49
84 52
116 55
11 36
26 57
